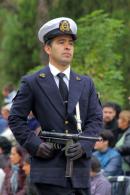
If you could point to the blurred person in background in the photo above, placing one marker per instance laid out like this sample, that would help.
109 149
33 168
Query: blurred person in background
5 146
8 93
4 170
123 145
5 111
110 116
30 187
14 183
109 158
2 178
99 183
3 123
5 149
3 162
118 109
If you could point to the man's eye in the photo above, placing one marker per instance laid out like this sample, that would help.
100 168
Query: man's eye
61 42
71 43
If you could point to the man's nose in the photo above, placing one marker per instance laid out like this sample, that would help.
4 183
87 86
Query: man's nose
67 46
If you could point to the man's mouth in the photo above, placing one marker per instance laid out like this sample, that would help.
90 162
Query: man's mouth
67 54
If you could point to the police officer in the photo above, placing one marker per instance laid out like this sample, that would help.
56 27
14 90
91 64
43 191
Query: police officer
52 94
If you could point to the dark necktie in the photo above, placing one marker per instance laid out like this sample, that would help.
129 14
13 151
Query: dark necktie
63 88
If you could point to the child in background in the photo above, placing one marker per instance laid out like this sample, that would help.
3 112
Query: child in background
99 183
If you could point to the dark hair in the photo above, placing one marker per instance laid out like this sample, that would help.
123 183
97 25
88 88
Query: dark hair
49 42
5 144
118 109
109 136
21 151
4 161
109 104
27 158
95 164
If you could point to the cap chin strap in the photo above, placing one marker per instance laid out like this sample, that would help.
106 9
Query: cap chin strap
78 119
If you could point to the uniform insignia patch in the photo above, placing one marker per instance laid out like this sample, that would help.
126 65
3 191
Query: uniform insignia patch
64 26
78 78
42 75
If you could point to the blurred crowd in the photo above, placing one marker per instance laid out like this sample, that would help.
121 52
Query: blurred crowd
14 160
111 155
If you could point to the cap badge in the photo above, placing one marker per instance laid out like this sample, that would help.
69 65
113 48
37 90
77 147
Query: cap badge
64 26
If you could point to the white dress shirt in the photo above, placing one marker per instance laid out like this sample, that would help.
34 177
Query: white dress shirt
55 71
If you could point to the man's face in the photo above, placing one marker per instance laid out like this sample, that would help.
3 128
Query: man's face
108 114
61 50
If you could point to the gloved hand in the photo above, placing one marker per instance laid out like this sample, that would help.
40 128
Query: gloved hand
45 150
75 151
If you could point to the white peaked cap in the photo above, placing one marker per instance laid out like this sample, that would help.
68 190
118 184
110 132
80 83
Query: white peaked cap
57 26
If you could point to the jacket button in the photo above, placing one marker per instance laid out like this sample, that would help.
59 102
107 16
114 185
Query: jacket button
66 122
66 131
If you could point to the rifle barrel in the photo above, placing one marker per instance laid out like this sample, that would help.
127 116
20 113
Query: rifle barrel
66 136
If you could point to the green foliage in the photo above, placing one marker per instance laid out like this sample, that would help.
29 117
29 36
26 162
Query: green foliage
125 50
120 10
73 9
19 45
33 70
97 53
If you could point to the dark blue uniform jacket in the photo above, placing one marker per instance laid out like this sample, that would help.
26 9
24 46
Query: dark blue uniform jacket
40 94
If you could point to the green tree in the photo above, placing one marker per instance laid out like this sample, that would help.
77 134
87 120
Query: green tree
97 53
20 50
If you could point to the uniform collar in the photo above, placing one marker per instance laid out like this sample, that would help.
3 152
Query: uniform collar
56 71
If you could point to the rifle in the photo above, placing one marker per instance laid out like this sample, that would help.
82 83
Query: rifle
66 139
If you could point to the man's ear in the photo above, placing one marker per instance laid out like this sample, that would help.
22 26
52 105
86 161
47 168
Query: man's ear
47 48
